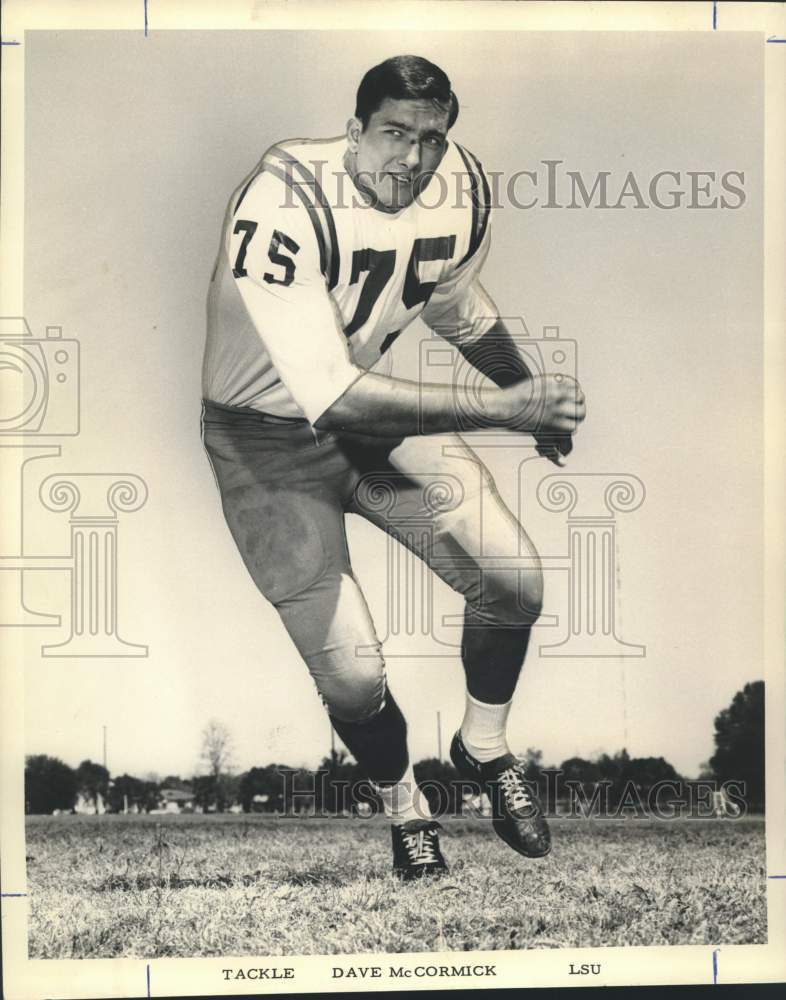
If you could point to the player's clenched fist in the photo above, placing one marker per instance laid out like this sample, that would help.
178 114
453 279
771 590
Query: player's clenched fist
546 406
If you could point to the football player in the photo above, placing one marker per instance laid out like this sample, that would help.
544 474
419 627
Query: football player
329 249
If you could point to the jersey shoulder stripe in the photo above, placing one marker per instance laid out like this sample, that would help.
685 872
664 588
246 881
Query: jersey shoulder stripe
286 178
301 181
480 194
280 161
308 180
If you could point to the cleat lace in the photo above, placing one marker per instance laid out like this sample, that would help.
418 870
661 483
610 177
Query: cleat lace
513 788
419 848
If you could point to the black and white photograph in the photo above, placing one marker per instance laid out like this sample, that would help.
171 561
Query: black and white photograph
392 550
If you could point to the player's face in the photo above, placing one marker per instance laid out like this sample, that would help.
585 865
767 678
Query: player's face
396 153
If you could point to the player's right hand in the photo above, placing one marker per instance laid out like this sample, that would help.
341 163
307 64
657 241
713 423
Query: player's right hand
547 406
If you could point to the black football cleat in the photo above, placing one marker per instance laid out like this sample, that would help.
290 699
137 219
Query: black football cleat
416 852
517 816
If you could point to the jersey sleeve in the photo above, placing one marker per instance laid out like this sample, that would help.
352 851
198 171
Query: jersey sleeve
460 309
277 246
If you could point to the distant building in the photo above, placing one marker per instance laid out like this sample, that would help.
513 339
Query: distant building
175 800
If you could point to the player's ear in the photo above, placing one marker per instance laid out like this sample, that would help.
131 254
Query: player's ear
354 128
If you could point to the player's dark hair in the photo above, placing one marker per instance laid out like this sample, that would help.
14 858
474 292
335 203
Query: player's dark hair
403 78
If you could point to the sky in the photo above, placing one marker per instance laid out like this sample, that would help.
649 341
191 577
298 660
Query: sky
133 147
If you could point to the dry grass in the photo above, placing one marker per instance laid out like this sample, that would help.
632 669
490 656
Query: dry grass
109 886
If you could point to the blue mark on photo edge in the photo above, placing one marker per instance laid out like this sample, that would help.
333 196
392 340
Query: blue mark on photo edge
715 967
10 43
771 39
777 876
714 15
145 1
12 895
148 980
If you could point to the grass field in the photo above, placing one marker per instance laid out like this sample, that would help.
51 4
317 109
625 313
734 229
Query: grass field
146 886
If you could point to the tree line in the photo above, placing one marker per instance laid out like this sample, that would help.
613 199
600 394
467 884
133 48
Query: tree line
337 786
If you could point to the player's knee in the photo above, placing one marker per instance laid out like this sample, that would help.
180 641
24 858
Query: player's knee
532 593
512 598
360 698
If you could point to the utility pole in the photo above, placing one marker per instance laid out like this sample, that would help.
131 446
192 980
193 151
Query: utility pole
439 736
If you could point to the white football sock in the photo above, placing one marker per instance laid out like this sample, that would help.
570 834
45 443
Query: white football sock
483 729
404 801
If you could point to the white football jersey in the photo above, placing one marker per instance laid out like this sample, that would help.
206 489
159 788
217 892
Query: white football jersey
312 284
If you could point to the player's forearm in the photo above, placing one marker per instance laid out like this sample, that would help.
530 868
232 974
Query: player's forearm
390 407
496 356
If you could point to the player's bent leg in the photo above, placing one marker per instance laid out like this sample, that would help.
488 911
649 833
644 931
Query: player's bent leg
323 610
496 635
282 499
328 620
478 547
439 500
282 504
